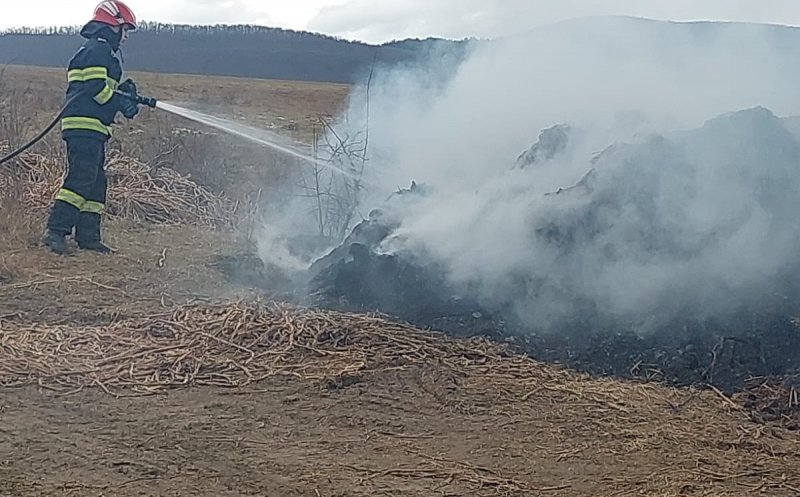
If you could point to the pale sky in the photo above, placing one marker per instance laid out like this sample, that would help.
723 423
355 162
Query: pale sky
382 20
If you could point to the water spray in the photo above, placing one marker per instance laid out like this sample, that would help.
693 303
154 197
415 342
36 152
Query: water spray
256 135
260 136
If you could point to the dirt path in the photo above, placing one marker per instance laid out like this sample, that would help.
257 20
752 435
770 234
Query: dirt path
390 437
413 432
156 267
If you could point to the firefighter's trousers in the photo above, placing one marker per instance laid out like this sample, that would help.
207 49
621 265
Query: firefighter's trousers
81 200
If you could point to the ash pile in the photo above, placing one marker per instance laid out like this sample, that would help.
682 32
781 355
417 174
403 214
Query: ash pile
357 276
670 257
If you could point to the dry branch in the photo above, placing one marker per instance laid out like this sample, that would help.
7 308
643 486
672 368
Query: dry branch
232 345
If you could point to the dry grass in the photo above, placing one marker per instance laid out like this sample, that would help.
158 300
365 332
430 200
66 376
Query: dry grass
13 227
288 107
137 192
720 447
219 162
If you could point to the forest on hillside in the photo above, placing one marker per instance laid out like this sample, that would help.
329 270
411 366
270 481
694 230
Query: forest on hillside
232 50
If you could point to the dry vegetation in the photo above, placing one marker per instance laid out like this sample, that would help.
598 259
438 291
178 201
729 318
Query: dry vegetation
147 373
514 426
164 168
137 192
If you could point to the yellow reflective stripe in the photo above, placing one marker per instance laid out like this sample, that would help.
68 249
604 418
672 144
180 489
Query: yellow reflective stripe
112 83
87 123
93 207
87 73
71 198
95 73
104 95
75 75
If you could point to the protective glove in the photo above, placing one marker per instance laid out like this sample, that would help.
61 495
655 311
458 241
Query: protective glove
128 106
128 86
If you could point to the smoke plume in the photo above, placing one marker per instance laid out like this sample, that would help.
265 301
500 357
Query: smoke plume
672 191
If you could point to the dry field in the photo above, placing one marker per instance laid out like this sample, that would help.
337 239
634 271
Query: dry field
150 373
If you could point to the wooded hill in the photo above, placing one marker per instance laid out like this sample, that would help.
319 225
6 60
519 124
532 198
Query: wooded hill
241 50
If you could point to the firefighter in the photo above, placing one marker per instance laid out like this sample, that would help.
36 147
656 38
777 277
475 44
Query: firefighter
94 74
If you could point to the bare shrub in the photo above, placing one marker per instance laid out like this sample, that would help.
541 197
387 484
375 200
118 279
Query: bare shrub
334 181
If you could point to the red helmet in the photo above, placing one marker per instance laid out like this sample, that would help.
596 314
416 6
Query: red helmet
114 13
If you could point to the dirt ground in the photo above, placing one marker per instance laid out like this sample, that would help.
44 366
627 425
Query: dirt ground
392 435
155 268
448 420
421 428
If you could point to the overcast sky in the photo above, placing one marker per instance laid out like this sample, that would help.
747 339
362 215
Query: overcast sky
382 20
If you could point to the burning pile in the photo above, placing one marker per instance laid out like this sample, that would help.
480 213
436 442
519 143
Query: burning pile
670 257
137 191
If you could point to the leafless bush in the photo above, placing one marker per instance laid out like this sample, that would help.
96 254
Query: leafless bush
334 181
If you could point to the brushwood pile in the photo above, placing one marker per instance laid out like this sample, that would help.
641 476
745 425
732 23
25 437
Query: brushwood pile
671 256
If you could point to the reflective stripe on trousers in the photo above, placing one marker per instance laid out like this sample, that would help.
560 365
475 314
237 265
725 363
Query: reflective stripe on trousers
87 123
79 202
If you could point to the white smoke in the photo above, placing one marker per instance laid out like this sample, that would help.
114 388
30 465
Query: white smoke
687 217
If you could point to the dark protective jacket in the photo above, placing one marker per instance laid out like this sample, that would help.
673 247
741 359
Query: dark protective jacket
94 73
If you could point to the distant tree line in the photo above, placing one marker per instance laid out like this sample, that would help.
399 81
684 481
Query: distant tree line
229 50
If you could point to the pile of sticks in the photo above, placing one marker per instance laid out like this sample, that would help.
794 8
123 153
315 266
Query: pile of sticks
773 400
137 192
163 196
227 345
231 345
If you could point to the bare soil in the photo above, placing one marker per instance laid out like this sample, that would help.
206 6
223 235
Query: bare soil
398 434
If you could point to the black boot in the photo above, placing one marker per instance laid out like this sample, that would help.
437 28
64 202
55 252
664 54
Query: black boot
55 242
87 234
99 247
63 217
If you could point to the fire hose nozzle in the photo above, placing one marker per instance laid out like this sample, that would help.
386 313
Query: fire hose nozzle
139 99
148 101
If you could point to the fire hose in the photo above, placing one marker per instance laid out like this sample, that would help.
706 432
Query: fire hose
141 100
